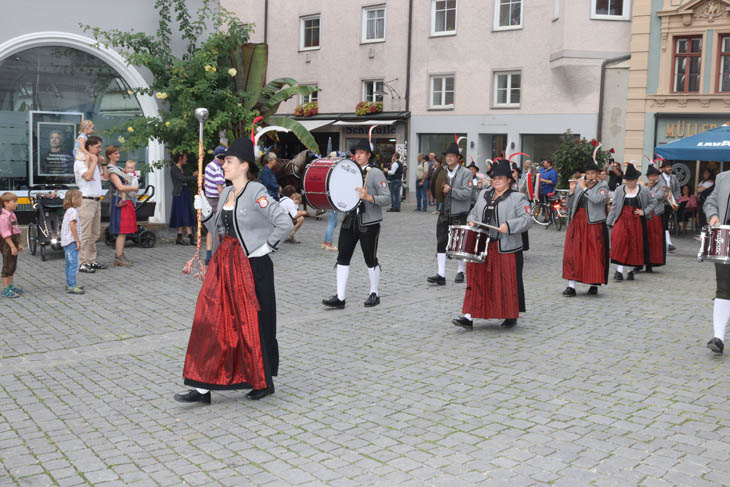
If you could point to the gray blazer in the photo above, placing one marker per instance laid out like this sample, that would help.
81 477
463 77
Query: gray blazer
674 183
259 218
514 210
659 194
595 201
458 200
717 202
646 200
377 186
179 179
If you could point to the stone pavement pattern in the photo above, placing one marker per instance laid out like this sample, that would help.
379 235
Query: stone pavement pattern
612 390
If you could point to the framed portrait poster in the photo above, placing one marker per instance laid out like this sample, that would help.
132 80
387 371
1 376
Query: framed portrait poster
52 140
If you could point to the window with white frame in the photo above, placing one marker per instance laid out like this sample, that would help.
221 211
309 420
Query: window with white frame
507 14
611 9
442 91
309 32
373 24
372 90
507 89
443 17
308 98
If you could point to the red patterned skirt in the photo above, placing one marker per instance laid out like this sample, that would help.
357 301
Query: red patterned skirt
627 239
232 343
494 288
657 244
585 257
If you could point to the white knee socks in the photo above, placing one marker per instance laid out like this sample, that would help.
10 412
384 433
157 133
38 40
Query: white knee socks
720 316
441 260
669 239
467 316
461 266
620 269
374 273
202 391
571 284
343 271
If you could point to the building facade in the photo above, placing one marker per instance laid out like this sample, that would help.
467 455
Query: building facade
679 77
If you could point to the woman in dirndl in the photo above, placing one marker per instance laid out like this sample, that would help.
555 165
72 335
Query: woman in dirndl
632 206
233 340
494 288
656 236
122 217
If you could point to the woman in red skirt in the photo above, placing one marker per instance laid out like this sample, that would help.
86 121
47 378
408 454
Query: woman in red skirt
233 341
654 228
494 289
632 207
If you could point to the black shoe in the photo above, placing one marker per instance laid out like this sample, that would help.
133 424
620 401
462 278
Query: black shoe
592 291
649 269
86 268
192 239
193 396
463 322
639 269
257 394
569 292
618 276
390 210
373 300
508 323
180 241
334 302
440 280
630 276
671 248
716 345
97 265
459 277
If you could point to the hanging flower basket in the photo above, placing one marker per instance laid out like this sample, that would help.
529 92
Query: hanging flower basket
368 107
306 109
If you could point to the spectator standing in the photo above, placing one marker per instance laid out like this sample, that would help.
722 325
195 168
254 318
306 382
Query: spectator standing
615 175
431 168
88 179
122 217
548 180
181 215
268 178
688 205
214 182
421 184
70 240
330 232
704 189
10 245
395 180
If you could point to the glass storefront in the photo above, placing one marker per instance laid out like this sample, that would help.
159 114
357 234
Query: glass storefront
540 146
44 93
438 143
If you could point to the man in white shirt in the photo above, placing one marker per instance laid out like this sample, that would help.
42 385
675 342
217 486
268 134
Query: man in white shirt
88 179
290 202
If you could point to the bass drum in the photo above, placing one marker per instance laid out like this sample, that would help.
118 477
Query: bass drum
329 184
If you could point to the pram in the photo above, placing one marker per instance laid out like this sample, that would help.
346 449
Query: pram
142 237
45 229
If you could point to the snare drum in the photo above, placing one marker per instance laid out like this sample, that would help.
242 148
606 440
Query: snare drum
329 184
715 244
467 243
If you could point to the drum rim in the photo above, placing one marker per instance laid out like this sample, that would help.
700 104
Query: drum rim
474 228
330 164
466 256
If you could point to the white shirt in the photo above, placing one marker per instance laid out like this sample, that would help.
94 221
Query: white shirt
289 205
72 214
667 177
393 168
87 188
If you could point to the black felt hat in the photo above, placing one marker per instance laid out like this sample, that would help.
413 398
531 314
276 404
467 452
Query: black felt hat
631 173
666 163
472 165
652 170
453 149
515 167
362 145
502 168
591 166
243 149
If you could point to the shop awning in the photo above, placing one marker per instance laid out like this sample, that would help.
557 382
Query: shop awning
366 122
712 145
314 124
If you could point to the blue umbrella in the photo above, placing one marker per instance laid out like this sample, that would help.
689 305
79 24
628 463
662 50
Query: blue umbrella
712 145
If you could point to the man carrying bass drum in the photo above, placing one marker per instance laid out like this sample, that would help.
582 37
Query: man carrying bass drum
715 208
362 224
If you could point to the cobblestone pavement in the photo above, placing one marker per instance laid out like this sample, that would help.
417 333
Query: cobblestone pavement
617 389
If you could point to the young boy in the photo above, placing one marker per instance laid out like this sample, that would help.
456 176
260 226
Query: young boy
290 202
9 244
130 169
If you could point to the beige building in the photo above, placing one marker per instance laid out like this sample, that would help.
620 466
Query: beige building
679 77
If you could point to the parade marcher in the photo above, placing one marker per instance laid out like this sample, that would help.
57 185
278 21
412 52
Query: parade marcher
233 340
476 185
716 209
362 224
632 206
672 182
585 256
453 211
494 288
654 226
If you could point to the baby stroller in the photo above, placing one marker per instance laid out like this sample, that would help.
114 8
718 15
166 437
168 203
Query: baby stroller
144 208
45 229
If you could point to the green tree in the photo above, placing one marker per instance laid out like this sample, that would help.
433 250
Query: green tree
573 153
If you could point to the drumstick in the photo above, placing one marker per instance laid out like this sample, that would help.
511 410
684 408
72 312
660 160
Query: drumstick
484 225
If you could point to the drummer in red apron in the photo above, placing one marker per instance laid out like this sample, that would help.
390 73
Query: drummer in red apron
632 206
362 224
494 288
654 226
585 256
457 203
716 209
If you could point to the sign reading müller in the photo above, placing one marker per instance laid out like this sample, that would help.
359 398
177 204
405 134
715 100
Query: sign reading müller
669 129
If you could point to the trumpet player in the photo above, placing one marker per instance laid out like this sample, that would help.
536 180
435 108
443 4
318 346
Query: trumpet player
672 182
585 256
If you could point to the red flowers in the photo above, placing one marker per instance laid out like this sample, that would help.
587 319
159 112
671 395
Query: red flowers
612 151
594 142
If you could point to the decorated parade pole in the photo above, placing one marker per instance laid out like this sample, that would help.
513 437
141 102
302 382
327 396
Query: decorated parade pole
202 115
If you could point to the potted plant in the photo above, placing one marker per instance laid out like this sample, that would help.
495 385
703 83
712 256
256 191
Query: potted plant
368 107
306 109
573 153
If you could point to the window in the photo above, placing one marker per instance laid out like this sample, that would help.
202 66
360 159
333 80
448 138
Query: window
443 17
373 24
507 14
372 90
309 32
723 68
507 89
686 65
442 91
308 98
611 9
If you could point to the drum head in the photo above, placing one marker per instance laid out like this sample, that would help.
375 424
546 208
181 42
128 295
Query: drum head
343 179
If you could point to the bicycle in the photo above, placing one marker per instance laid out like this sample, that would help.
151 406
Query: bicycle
551 213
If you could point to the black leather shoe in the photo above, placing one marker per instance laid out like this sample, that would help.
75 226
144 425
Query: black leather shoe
373 300
463 322
257 394
193 396
671 248
638 269
440 280
86 268
508 323
569 292
649 269
459 277
180 241
716 345
630 276
334 302
592 291
618 276
98 265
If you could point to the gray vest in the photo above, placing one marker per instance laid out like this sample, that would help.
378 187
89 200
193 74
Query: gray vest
458 200
514 210
646 200
659 193
377 186
596 198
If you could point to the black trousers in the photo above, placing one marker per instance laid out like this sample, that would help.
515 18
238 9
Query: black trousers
350 233
666 216
442 229
722 275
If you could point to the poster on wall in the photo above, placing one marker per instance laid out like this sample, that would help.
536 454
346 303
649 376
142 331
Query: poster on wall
51 147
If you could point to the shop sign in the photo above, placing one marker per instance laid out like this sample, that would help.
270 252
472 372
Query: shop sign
669 129
363 130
